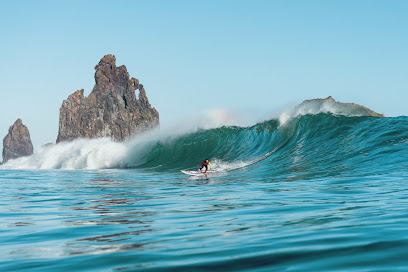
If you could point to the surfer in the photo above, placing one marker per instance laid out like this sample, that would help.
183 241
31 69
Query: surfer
204 164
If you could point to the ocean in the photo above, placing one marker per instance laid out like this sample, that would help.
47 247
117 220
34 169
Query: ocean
313 192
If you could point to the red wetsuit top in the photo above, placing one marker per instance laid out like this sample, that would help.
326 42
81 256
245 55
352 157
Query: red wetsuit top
205 164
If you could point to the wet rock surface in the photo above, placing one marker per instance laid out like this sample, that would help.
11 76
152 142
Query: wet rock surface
111 109
17 142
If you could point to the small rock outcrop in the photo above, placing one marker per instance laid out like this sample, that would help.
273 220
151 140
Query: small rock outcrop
17 142
111 109
330 105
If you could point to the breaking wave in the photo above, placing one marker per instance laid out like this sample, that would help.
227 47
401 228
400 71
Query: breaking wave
321 141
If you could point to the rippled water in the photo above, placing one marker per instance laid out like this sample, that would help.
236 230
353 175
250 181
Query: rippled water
317 192
125 220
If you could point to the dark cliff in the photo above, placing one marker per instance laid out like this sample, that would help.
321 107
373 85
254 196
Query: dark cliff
17 142
111 109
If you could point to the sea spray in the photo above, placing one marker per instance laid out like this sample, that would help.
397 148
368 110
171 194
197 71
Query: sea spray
77 154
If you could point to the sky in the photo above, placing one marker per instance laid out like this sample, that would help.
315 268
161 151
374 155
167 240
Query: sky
252 57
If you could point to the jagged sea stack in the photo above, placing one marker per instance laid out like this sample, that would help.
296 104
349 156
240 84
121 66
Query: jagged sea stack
111 109
17 142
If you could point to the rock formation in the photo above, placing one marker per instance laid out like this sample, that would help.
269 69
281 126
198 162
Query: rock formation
17 142
331 105
111 109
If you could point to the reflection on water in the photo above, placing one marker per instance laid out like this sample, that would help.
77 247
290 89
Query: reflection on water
122 221
106 209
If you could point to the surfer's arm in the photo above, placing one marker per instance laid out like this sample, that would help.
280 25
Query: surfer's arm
210 164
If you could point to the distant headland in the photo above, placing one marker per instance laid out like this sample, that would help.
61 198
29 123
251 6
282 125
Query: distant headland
329 104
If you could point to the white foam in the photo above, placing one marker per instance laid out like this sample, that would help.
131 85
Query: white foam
222 166
78 154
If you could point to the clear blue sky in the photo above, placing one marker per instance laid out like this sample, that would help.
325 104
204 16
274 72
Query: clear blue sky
194 56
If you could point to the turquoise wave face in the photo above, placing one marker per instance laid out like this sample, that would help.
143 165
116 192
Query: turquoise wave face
322 144
226 144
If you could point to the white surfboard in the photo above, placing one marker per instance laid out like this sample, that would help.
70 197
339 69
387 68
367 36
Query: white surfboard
195 173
